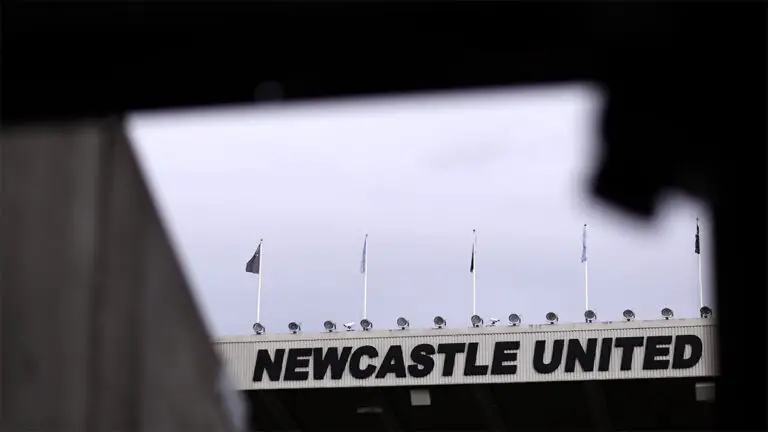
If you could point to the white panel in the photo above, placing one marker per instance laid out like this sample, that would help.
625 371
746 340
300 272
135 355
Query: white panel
705 392
420 397
239 352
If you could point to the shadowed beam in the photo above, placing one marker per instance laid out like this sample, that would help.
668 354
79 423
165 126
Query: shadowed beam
598 407
254 421
388 415
490 409
277 410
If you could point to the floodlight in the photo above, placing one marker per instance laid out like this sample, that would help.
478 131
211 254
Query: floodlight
349 326
705 312
629 315
402 323
551 317
515 319
294 327
439 321
366 324
259 329
590 315
492 322
667 313
329 326
476 320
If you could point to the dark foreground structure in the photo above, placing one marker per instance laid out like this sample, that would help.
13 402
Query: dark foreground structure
685 112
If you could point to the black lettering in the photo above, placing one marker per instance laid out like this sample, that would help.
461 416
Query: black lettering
393 362
585 357
504 352
656 346
471 368
265 363
450 350
298 358
606 347
628 345
538 356
424 364
679 361
331 360
357 357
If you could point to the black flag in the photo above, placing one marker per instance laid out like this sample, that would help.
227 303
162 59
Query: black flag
254 264
697 246
472 262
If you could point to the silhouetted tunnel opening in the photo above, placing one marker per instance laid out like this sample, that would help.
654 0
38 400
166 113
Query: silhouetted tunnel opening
619 405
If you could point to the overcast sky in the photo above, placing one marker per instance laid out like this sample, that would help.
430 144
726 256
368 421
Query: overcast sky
417 175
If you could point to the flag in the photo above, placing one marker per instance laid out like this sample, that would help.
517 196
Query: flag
697 244
472 261
254 264
584 245
364 262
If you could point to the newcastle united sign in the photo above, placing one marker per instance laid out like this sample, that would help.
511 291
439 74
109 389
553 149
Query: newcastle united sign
438 357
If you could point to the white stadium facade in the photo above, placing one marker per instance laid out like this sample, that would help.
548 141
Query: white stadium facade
606 376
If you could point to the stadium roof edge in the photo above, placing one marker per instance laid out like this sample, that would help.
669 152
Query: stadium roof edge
523 328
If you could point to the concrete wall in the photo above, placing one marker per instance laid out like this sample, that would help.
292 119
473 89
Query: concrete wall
98 328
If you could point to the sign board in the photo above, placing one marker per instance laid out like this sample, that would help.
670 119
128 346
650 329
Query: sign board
483 357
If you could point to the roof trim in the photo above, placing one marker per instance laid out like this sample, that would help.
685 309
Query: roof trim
521 329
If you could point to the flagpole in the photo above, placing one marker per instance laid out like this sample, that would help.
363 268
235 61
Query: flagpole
701 288
365 279
698 253
586 285
586 268
474 273
258 294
